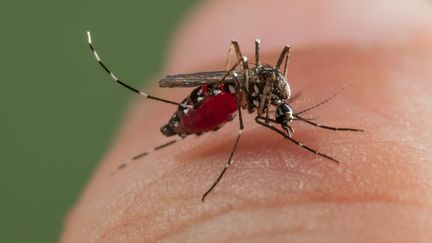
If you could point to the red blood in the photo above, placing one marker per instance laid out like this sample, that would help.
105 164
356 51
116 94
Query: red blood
213 112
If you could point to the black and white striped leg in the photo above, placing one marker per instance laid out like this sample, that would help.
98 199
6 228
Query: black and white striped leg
145 95
284 55
320 103
145 153
229 162
327 127
260 120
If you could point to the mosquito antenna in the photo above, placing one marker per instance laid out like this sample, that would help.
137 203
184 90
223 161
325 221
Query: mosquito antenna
145 153
321 103
145 95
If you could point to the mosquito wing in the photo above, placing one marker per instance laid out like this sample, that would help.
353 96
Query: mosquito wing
194 79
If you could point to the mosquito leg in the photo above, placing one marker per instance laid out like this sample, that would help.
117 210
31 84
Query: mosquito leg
267 112
229 162
265 97
234 44
228 55
245 73
286 63
268 105
145 95
284 55
257 52
138 156
327 127
244 67
237 49
243 59
270 126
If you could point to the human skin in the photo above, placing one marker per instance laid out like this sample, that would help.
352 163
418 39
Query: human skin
276 191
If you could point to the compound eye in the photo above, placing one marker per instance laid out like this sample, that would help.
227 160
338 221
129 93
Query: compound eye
285 108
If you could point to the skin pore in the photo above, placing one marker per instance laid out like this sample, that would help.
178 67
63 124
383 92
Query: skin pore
276 191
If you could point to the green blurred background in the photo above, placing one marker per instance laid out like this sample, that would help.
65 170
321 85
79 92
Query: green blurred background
58 109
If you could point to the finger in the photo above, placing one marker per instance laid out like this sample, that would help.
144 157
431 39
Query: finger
276 191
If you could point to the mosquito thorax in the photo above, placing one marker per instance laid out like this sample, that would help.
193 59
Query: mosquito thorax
284 114
281 89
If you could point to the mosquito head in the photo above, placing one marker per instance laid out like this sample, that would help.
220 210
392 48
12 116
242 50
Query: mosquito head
284 114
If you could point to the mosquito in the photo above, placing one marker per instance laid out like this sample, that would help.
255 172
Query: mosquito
218 96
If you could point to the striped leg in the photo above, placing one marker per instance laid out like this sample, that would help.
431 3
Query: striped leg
138 156
229 162
145 95
269 125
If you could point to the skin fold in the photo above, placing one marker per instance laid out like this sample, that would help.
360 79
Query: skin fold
276 191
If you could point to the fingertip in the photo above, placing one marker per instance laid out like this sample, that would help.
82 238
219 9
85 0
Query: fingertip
272 181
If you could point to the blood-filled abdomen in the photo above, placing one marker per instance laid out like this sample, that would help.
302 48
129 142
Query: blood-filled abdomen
209 113
212 113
